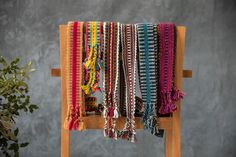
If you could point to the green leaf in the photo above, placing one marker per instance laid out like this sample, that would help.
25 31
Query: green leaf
24 144
15 61
14 147
29 63
33 107
6 124
15 100
16 132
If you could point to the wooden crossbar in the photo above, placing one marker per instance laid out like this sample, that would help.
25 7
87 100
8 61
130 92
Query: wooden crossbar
56 72
171 124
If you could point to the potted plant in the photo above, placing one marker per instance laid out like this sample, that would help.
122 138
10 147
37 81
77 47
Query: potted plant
14 99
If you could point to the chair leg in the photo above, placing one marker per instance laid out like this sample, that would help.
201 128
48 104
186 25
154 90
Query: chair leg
65 143
168 143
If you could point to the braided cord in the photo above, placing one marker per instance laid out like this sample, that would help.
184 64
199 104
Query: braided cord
92 63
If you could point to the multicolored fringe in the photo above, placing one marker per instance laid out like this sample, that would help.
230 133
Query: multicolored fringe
148 76
111 34
129 52
93 61
101 44
168 94
74 76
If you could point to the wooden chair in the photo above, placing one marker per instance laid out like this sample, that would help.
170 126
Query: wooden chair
171 125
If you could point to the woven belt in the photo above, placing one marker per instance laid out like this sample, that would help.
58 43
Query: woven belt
74 76
101 44
148 76
111 58
129 50
167 92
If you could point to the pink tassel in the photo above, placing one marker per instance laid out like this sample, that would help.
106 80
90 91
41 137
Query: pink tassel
177 94
167 105
168 108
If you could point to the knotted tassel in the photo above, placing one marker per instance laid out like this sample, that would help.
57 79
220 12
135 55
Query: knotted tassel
153 125
82 126
105 112
133 138
177 94
105 133
86 89
167 105
115 114
74 124
66 124
92 63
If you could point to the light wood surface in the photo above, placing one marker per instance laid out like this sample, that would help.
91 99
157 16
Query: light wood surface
56 72
65 134
171 125
179 60
97 122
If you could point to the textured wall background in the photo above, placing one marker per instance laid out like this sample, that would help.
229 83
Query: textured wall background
29 29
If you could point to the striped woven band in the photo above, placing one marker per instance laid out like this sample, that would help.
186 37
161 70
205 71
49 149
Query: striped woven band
74 76
129 52
148 76
111 58
167 92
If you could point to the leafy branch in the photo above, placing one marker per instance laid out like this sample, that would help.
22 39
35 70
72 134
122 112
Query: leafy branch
14 98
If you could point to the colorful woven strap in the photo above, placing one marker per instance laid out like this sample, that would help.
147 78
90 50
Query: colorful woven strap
74 76
148 76
167 92
111 35
129 52
93 62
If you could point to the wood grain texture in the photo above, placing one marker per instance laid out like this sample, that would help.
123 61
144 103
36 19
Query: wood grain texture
97 122
179 59
187 74
65 134
171 125
56 72
168 142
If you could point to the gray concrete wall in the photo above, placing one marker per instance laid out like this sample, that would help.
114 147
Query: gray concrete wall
29 29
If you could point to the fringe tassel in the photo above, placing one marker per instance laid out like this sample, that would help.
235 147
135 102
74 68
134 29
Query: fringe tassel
105 113
127 135
167 105
115 114
111 113
177 94
93 66
82 126
111 133
74 121
168 100
74 124
105 133
152 125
